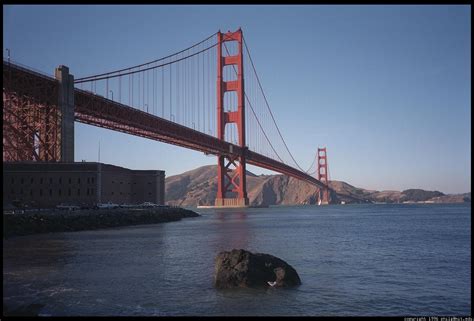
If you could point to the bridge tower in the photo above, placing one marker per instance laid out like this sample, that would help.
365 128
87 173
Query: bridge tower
322 173
231 180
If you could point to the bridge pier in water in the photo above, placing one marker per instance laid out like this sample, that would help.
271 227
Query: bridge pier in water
231 180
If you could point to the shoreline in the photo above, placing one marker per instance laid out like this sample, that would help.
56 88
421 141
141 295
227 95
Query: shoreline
81 220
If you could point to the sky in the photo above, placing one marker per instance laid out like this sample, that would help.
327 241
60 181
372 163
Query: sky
385 88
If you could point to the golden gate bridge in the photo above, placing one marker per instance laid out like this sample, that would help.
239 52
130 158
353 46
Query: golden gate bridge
203 98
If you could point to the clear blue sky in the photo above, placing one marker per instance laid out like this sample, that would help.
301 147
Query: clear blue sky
385 88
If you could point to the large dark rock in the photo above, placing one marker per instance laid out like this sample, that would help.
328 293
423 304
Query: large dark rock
240 268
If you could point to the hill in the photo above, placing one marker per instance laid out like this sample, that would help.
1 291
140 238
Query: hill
199 187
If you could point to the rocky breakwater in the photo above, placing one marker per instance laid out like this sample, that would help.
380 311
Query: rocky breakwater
243 269
65 221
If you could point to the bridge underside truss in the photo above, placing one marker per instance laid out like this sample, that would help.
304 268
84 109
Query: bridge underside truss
31 117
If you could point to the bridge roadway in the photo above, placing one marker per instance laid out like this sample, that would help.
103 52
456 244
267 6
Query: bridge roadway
99 111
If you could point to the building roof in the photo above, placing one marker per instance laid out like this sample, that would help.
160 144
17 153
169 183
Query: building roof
67 166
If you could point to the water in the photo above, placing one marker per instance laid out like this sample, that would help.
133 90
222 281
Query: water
362 260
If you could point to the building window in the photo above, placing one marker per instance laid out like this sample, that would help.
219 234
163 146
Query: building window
41 192
59 192
149 193
50 192
69 192
78 191
60 180
22 180
13 180
149 183
51 180
87 192
31 180
69 180
78 180
120 193
113 182
121 183
21 191
112 193
88 180
92 191
31 192
12 191
92 180
41 180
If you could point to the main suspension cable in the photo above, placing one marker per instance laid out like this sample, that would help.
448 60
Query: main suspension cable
145 69
147 63
253 111
268 106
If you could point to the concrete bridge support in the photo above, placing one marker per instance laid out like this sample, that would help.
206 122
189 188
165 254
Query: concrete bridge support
66 107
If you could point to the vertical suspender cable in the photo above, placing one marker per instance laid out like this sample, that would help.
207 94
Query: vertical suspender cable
171 92
203 99
177 92
139 92
163 92
198 96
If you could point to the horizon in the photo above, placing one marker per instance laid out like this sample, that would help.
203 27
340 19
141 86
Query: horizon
350 61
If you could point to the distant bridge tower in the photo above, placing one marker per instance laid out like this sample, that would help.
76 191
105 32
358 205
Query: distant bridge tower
231 180
322 173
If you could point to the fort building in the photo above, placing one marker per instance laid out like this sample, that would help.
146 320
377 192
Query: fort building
47 184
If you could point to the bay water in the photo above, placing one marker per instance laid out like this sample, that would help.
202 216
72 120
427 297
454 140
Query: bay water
353 260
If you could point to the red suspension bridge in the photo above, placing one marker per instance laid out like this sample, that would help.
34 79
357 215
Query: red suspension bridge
172 100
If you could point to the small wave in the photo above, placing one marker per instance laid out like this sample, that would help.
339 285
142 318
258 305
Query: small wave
58 290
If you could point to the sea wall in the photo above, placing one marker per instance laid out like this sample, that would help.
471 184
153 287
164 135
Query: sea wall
68 221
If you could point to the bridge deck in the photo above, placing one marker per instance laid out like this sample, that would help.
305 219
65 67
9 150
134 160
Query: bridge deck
102 112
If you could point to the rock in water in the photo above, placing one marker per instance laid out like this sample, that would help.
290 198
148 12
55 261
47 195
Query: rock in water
240 268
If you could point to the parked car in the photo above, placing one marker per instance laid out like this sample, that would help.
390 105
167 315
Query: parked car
16 211
107 205
148 204
127 205
68 207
